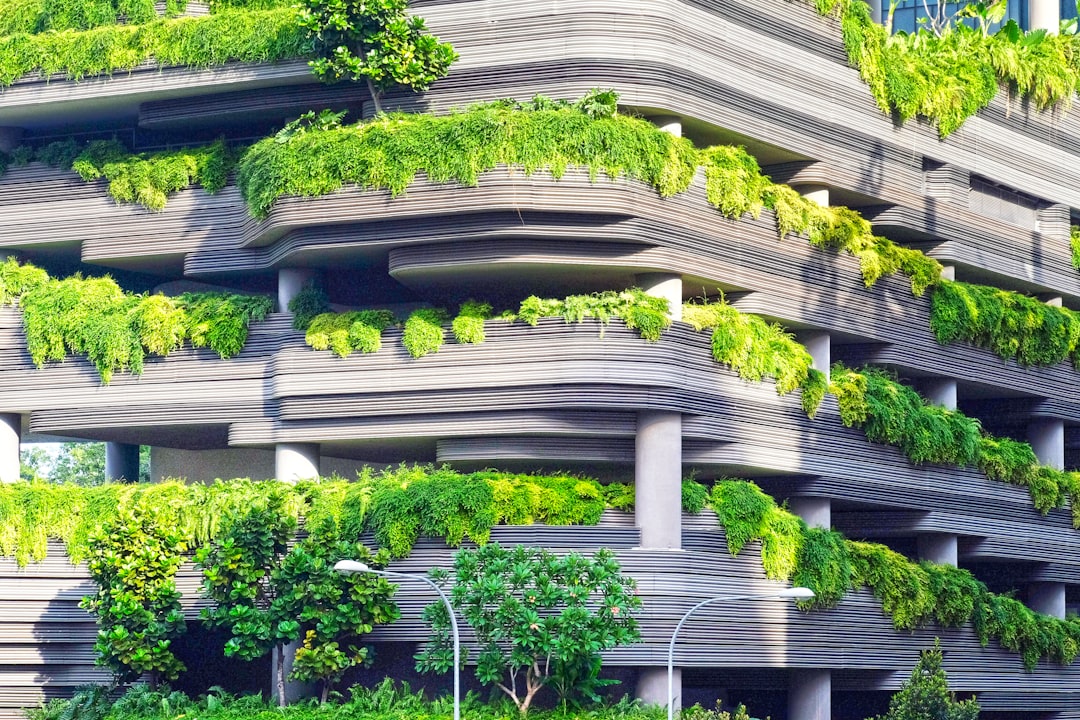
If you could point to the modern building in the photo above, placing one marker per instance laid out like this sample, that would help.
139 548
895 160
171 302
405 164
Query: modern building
993 202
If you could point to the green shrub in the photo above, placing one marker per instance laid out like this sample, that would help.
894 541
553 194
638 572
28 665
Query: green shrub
345 332
310 301
926 695
423 331
468 326
695 496
742 508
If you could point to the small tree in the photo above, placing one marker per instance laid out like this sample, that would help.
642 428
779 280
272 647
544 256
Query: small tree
376 41
134 563
926 695
236 576
330 607
539 619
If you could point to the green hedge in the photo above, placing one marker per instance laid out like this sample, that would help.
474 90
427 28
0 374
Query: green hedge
892 413
234 35
115 329
913 594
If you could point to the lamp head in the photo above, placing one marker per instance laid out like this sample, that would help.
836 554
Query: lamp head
351 566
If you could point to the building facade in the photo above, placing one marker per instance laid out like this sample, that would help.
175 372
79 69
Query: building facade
993 202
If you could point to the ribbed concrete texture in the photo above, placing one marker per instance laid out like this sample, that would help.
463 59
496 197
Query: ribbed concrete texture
938 548
1047 438
668 123
296 461
1048 598
810 695
10 431
940 392
1044 15
290 282
658 479
666 285
815 511
122 462
819 344
652 687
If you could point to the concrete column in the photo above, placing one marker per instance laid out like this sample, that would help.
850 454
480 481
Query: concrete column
1051 299
10 138
669 123
815 511
948 272
1047 438
1044 15
665 285
1047 598
296 461
121 462
941 392
819 344
652 689
10 433
940 548
290 282
875 10
810 695
817 193
658 479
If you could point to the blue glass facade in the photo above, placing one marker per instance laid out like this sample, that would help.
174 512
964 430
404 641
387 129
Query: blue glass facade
908 12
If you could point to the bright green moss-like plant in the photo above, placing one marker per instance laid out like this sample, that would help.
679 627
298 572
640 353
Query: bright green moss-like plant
1012 325
468 326
344 333
756 349
645 313
423 332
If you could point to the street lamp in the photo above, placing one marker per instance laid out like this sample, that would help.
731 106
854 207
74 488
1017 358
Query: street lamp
352 566
798 593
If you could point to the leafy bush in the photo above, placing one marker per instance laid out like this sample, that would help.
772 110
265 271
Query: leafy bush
468 326
645 313
345 332
538 618
423 331
309 302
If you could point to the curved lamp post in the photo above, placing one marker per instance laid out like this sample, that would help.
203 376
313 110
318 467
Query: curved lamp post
798 593
352 567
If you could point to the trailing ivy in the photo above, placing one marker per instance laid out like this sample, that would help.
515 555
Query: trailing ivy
1012 325
894 414
231 35
1074 245
390 151
114 329
948 76
757 349
913 594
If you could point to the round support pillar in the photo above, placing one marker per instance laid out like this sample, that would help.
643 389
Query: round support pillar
10 138
290 282
941 392
817 193
294 689
1044 15
1047 598
940 548
819 344
810 695
671 124
652 688
10 434
665 285
658 479
121 462
815 511
1047 438
875 10
296 461
948 272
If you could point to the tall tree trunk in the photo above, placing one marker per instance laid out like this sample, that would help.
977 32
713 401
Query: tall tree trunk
374 96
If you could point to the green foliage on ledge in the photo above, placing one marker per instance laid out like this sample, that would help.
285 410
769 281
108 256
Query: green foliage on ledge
234 35
948 76
894 414
757 349
1012 325
913 594
114 329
